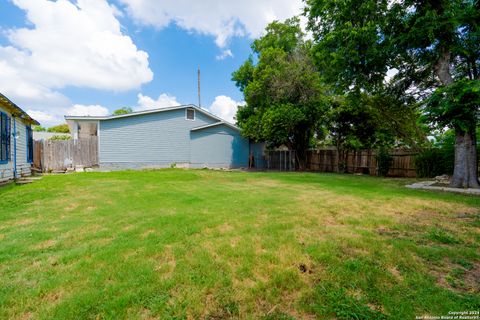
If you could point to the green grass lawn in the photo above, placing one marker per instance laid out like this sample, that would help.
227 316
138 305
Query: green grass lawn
180 244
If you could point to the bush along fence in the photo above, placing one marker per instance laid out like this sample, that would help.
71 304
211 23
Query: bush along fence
60 155
395 163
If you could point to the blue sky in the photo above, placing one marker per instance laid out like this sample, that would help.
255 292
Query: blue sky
92 56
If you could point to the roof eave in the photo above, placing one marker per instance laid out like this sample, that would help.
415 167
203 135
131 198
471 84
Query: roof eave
16 111
216 124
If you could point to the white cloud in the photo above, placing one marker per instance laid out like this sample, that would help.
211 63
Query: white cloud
83 110
42 117
225 108
219 18
75 44
68 44
225 54
163 101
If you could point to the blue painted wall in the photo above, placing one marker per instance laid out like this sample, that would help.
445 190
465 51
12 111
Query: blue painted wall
219 146
164 138
23 167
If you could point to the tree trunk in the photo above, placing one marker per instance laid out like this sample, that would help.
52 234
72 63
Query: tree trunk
301 160
465 174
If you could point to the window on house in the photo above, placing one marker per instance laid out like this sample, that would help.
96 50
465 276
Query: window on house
190 114
4 138
29 144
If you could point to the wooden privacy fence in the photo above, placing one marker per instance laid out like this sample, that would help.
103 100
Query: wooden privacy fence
357 161
58 155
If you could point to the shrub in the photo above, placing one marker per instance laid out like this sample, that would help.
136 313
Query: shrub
384 162
433 162
60 137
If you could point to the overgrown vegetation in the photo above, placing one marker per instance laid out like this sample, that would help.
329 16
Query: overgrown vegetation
384 162
375 75
433 162
60 137
284 95
199 244
61 128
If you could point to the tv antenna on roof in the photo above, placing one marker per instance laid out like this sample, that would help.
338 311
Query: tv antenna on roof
199 99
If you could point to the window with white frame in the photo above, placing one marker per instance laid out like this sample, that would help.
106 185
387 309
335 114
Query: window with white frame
190 114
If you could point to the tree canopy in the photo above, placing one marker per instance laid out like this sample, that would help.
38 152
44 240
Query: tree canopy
120 111
433 46
284 95
61 128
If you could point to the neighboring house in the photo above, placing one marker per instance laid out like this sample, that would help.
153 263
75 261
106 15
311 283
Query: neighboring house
44 135
185 136
16 143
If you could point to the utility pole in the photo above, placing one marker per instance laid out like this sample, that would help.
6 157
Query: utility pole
199 99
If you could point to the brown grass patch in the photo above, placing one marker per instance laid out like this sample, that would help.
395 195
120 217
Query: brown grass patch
468 281
147 233
71 206
146 314
472 278
394 271
224 228
52 297
90 208
166 263
45 244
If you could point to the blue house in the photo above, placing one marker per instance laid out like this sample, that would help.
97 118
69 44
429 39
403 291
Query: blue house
185 136
16 143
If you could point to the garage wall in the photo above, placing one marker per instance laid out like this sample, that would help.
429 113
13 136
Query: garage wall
218 147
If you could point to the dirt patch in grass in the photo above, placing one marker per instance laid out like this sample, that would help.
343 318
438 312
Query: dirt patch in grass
71 206
19 223
166 263
45 244
472 278
147 233
52 297
459 278
396 273
225 228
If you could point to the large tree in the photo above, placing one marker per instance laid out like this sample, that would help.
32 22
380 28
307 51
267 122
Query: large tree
433 44
282 89
372 121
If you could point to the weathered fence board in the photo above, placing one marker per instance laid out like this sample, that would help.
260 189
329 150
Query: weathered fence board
358 161
58 155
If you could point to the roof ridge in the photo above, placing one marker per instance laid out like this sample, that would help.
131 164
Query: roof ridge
142 112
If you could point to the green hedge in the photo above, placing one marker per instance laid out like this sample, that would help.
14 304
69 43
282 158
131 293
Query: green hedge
434 162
